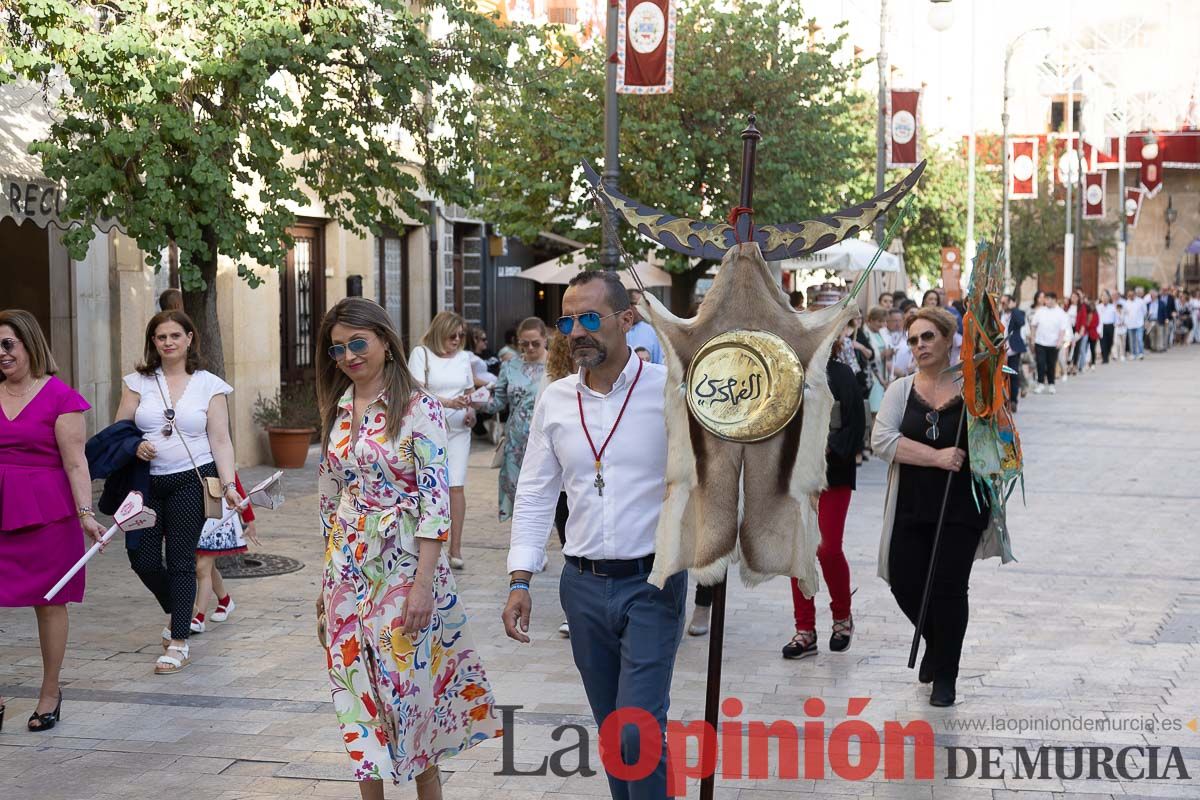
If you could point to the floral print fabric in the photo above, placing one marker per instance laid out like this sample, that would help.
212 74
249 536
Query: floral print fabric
403 703
517 389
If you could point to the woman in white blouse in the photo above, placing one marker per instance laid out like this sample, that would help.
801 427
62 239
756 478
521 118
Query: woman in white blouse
444 368
182 414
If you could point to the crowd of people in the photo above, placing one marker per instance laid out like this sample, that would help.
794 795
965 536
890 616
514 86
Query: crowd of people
576 415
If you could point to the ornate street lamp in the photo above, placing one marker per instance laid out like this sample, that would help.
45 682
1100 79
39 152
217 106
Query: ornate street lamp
941 15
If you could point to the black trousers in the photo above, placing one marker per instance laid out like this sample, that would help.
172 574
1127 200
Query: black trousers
1106 341
908 563
178 499
1047 363
1014 380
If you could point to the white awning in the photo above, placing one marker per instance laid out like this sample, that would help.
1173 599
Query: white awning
27 193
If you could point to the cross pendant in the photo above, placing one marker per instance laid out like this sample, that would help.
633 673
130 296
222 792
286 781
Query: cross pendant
599 483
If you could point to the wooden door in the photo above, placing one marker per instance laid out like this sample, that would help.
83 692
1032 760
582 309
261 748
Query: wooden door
301 303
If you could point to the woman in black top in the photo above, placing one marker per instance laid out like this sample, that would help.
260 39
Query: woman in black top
930 444
845 443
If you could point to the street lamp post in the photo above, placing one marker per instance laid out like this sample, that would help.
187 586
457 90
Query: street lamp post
881 116
1008 54
609 253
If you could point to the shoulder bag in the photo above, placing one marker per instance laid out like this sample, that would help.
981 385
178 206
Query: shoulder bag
213 496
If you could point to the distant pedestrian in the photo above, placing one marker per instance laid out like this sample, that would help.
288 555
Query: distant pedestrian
1135 324
1107 311
170 300
444 369
45 496
845 442
1013 319
1051 331
517 390
642 333
558 366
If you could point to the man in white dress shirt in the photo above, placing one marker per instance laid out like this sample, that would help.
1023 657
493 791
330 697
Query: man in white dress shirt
600 436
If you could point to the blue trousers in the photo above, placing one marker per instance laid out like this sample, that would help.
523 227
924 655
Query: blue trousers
624 636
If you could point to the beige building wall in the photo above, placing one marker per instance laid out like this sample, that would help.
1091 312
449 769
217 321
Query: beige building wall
1147 255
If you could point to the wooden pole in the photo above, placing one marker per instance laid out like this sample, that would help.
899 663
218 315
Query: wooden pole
716 629
712 692
933 554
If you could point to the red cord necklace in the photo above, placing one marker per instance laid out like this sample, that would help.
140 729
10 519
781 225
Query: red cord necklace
599 482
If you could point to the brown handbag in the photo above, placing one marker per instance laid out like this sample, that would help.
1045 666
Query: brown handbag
214 507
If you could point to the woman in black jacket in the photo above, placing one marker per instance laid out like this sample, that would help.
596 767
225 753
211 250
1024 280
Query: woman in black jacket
845 442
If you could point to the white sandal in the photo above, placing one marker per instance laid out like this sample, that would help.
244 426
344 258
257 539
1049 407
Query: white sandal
166 639
168 664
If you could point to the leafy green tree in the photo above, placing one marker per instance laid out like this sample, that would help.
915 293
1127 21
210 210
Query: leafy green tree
1037 228
680 152
204 123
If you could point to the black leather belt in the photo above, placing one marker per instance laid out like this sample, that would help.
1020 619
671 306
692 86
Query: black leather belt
613 568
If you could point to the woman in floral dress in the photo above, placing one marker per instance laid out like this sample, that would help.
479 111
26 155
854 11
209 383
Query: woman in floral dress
408 687
517 390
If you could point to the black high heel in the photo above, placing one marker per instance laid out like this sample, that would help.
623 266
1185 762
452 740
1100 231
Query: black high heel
1 718
45 721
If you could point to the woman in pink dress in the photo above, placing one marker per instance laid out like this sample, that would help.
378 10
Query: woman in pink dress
45 495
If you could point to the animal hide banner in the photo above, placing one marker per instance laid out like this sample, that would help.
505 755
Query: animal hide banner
730 501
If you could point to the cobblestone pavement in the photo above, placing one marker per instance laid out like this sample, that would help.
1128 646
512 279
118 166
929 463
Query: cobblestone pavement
1098 621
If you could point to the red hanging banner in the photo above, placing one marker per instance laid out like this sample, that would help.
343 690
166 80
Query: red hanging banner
645 46
1133 204
903 116
1022 169
1150 172
1093 195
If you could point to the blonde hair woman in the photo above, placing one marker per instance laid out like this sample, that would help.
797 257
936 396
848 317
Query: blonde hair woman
918 433
408 688
442 365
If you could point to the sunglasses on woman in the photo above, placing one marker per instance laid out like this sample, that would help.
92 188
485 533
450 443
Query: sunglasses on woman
927 337
590 320
169 427
534 345
356 346
8 345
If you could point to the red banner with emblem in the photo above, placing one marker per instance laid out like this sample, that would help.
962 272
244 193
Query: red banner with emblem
1133 204
1150 172
903 116
645 46
1022 169
1093 195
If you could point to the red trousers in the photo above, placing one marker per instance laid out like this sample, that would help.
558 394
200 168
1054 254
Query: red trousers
831 519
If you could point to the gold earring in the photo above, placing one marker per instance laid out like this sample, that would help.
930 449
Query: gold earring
389 356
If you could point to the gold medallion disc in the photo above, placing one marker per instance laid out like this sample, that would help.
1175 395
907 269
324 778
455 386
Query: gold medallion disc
745 386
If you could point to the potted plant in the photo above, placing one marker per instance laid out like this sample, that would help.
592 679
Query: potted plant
290 419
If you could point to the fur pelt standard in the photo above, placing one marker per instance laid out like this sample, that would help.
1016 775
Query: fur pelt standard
754 502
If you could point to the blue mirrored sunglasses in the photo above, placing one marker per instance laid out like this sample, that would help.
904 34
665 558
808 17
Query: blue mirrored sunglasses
590 320
356 346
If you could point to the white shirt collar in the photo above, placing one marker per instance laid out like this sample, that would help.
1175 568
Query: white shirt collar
627 375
